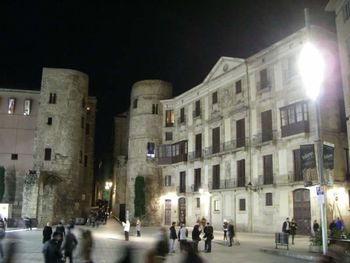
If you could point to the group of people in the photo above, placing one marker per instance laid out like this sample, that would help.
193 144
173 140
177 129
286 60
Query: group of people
290 228
60 245
336 226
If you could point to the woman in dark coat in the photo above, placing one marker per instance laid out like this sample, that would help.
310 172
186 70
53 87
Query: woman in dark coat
231 232
293 229
47 232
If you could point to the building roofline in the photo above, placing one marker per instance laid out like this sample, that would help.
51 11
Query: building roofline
20 91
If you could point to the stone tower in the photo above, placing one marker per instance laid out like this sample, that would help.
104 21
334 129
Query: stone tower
51 190
144 138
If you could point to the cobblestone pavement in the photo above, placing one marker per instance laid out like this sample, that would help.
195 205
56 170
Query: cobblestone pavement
109 246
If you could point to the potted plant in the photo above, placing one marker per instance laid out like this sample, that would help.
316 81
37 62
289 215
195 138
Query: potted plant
316 242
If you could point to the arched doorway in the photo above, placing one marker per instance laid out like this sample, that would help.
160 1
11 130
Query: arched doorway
301 210
182 210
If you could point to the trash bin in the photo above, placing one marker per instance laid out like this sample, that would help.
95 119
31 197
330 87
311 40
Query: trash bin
282 239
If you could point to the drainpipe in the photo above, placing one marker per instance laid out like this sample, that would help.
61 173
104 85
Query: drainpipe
250 212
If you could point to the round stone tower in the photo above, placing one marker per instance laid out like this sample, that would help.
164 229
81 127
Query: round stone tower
51 193
145 134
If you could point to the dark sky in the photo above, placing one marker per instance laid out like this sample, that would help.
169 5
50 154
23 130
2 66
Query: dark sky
118 44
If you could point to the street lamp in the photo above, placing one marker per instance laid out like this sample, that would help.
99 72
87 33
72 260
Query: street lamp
311 66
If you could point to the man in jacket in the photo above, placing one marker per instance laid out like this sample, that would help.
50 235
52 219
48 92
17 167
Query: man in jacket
70 243
52 249
231 232
195 237
208 235
173 237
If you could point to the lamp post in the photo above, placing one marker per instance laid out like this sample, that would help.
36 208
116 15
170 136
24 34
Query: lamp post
311 67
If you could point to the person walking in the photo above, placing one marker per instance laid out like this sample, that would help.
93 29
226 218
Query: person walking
315 227
61 229
126 226
172 237
52 249
86 246
339 224
69 244
183 234
332 228
286 226
224 226
138 227
293 229
196 237
209 236
231 232
47 232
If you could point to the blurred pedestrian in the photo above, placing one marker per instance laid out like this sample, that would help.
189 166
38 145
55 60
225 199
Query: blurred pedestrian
52 249
339 224
293 229
191 256
86 246
126 226
172 237
47 232
182 235
209 236
332 228
196 237
69 244
2 236
138 227
231 232
315 227
224 226
162 243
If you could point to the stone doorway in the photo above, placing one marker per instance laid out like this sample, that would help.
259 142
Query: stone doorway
167 212
301 211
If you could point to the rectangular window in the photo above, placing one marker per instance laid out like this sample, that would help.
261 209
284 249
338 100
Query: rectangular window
82 122
134 104
241 204
197 111
49 121
168 136
27 107
198 202
47 156
83 103
216 140
240 133
14 156
268 169
167 180
266 126
85 160
183 182
151 150
182 115
215 97
154 108
294 119
197 179
216 205
241 173
264 83
169 118
216 176
198 147
297 165
268 199
346 11
52 98
238 86
87 129
11 105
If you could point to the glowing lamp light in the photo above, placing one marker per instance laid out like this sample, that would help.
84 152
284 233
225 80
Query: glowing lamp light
311 67
108 185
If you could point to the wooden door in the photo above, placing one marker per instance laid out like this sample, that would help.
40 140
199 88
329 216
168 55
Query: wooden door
302 213
167 212
182 210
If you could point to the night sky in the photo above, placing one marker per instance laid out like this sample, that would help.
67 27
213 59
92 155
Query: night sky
121 43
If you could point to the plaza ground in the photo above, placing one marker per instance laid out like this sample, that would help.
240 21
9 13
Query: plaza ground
109 246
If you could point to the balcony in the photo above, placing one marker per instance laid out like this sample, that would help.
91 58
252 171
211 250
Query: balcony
264 138
295 128
182 189
223 184
263 86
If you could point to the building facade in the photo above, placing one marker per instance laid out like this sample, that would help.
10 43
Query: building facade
234 147
52 153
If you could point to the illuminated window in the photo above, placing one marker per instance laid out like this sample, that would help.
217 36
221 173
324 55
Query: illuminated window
169 118
11 106
151 149
216 205
27 106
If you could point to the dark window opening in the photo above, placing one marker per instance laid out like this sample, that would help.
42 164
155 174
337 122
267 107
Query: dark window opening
241 204
182 115
151 150
264 83
52 98
297 165
134 104
241 173
268 169
268 199
215 97
216 140
216 176
47 156
240 133
197 179
198 146
14 156
266 126
85 160
182 188
49 121
168 136
238 86
154 108
197 111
